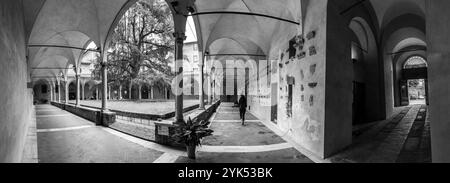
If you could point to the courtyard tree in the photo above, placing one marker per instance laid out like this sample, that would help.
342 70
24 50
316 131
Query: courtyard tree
140 49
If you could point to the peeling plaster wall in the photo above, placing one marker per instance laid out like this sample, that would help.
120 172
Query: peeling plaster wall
16 98
321 119
307 123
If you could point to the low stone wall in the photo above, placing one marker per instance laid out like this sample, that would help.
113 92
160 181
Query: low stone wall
149 127
154 117
144 131
94 115
141 125
206 115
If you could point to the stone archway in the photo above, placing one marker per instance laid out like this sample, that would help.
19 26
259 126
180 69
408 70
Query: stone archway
365 72
414 81
41 92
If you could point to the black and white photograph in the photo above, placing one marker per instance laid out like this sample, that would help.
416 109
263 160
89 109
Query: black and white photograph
225 82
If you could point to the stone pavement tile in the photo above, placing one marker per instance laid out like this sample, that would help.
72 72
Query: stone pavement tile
381 144
91 145
233 116
417 147
290 155
234 134
390 148
61 122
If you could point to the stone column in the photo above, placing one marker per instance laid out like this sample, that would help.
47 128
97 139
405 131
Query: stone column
149 92
77 78
140 92
130 89
97 95
66 91
152 92
82 91
201 82
109 93
51 92
58 84
179 43
104 83
165 93
209 90
120 92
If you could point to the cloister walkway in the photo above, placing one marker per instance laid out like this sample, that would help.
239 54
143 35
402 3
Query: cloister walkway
404 138
66 138
252 143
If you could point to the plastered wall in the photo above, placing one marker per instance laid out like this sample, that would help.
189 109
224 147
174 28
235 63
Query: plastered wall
15 97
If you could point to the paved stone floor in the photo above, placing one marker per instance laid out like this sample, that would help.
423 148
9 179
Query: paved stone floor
66 138
252 143
405 138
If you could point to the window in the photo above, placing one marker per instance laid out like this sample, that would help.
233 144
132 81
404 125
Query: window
195 47
415 62
195 58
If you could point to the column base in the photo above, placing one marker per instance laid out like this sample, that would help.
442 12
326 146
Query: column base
180 121
107 118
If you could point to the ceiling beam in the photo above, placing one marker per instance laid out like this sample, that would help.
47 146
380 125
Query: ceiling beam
245 13
252 55
406 51
61 46
352 6
49 68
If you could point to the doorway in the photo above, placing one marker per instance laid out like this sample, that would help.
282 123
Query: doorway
359 95
413 82
417 92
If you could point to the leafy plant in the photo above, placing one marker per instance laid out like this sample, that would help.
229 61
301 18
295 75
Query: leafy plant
191 133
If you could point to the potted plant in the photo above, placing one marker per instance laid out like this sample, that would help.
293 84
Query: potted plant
190 134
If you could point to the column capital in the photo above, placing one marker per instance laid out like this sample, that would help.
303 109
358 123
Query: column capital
179 37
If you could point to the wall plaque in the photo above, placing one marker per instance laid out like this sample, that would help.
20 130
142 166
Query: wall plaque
312 51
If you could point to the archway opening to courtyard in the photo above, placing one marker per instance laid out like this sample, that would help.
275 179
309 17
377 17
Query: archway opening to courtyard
414 82
41 92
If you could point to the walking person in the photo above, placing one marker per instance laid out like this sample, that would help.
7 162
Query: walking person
242 108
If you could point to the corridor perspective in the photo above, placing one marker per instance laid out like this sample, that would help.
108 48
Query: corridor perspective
224 81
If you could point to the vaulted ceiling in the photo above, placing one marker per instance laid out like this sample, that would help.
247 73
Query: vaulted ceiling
58 31
224 26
